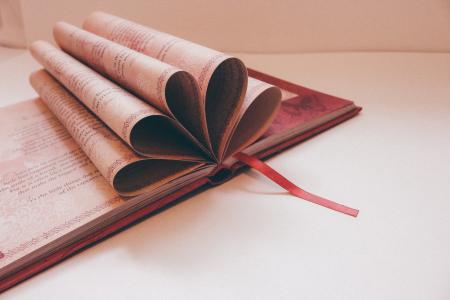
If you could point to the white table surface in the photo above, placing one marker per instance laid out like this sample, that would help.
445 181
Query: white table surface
247 239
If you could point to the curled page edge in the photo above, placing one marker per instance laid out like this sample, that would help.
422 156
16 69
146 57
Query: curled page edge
261 104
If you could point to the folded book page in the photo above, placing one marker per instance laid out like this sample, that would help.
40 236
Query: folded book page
143 127
173 91
127 172
222 79
261 104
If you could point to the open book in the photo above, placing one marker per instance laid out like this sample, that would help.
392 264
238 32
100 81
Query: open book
129 119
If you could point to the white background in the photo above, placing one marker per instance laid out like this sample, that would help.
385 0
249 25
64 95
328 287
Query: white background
253 25
247 239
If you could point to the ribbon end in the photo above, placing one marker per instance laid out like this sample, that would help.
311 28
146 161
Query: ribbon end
351 212
294 190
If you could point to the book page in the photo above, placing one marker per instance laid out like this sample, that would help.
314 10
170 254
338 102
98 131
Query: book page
222 79
261 104
143 127
173 91
127 172
48 186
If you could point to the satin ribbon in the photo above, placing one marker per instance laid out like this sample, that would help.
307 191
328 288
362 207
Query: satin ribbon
294 190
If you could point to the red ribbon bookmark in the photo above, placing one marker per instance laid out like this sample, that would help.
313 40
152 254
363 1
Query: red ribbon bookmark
294 190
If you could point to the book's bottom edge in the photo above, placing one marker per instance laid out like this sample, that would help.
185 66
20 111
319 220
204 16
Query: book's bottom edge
154 207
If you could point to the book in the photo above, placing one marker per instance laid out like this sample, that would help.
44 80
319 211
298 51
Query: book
128 120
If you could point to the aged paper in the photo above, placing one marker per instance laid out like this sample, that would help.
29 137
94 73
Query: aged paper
261 104
141 126
127 172
170 89
48 186
222 79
